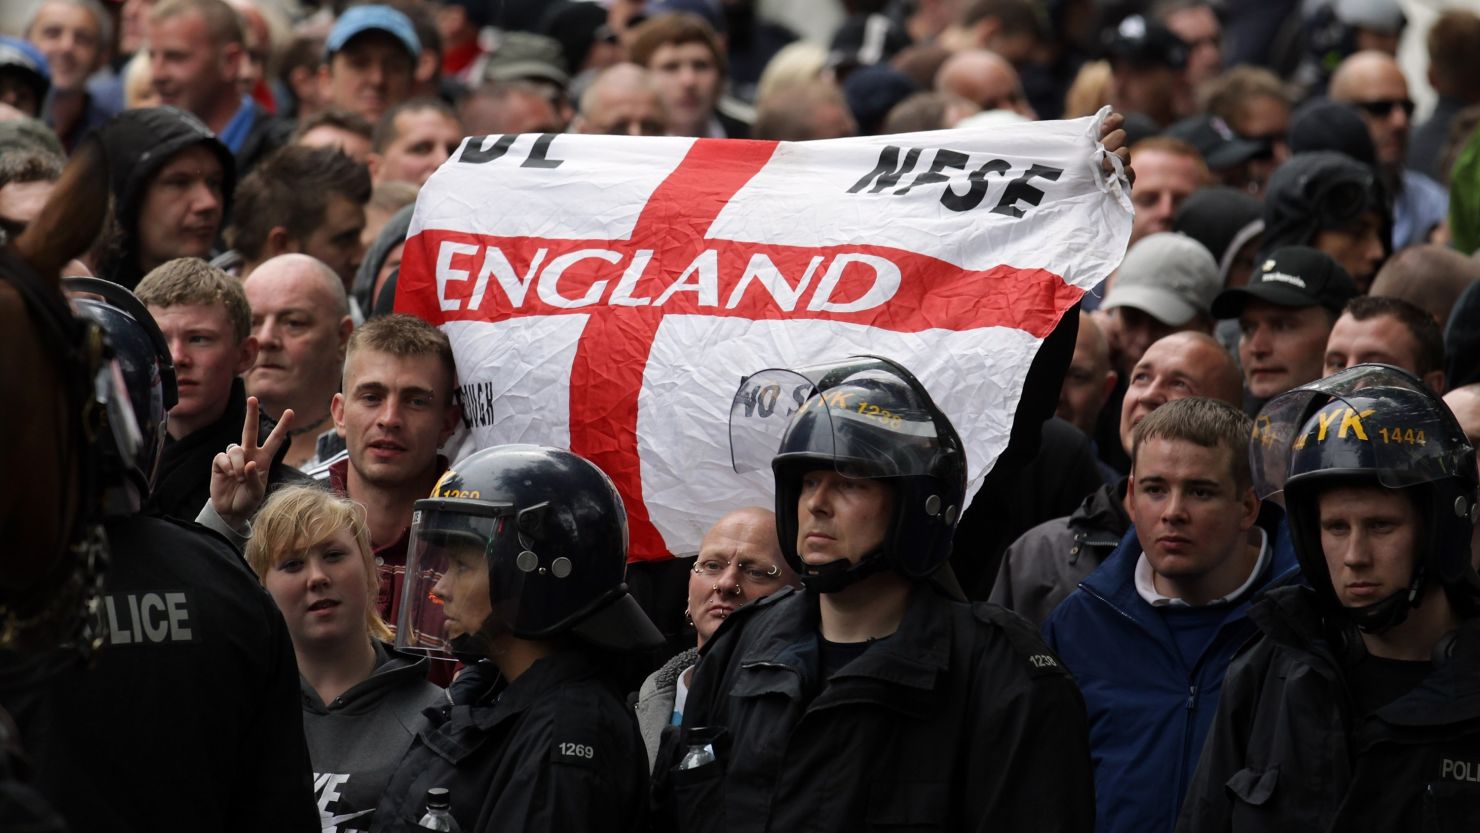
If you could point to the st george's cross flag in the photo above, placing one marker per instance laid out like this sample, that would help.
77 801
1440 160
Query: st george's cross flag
608 294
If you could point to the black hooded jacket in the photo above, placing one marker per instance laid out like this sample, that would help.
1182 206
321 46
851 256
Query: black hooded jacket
1292 214
1221 218
137 143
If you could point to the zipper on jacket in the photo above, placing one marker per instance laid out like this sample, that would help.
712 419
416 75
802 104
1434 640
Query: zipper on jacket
1192 697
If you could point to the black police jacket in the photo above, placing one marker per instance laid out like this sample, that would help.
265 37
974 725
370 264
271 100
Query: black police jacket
962 720
557 750
189 718
1288 750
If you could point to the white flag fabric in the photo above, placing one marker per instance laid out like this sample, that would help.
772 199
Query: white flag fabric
607 294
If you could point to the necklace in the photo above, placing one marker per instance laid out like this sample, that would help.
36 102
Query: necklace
298 432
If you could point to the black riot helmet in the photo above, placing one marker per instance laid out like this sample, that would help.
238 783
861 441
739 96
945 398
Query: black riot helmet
865 417
136 418
1371 425
545 529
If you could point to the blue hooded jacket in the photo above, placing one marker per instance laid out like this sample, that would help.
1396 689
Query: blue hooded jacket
1149 711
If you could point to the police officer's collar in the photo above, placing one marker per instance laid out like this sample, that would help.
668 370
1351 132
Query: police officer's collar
916 653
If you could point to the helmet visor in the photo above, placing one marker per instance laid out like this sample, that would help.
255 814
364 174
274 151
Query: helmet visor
861 414
446 593
1347 421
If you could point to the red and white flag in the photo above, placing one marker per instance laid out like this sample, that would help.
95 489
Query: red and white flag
607 294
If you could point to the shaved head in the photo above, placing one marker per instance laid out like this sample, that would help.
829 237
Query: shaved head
1180 365
752 522
739 560
622 100
300 267
1428 276
1373 81
1355 74
983 78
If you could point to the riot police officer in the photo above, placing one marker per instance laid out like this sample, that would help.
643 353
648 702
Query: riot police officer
188 718
1359 708
516 566
875 695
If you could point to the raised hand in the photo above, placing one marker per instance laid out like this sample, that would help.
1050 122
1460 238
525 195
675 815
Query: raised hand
239 474
1112 136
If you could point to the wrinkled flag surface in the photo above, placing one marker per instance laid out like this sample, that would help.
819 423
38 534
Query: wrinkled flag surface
608 294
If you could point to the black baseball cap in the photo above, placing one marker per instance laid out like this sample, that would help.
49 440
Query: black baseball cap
1293 276
1216 141
1145 42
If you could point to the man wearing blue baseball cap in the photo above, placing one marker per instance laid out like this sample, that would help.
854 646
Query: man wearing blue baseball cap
369 59
24 76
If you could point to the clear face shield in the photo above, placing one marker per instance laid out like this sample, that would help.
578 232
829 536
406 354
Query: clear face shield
857 413
450 595
1401 445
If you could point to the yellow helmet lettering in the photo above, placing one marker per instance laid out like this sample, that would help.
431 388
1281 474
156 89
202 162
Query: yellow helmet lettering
1353 420
446 475
1323 422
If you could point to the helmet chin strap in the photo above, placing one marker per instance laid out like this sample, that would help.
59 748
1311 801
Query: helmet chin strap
840 574
1390 612
474 647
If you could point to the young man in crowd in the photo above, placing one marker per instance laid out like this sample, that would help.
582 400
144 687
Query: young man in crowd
1387 331
688 67
75 36
207 325
171 183
304 200
1285 315
873 695
338 128
396 409
197 49
302 324
1167 172
1149 635
1047 563
369 61
1329 202
412 140
27 177
1357 709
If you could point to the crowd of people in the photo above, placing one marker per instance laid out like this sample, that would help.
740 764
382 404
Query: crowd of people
1230 584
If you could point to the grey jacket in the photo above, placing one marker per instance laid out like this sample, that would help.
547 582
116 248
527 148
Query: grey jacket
357 741
655 700
1047 563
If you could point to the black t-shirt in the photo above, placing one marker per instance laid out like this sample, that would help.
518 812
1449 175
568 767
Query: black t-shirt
835 655
1377 681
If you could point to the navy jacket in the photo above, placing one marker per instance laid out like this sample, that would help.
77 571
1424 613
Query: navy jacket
1148 710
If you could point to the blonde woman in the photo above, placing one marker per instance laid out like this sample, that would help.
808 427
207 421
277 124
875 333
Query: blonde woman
362 700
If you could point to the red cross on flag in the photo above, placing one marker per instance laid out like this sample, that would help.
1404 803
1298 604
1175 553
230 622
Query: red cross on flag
607 294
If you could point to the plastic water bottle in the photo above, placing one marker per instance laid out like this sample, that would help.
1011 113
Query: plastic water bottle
439 812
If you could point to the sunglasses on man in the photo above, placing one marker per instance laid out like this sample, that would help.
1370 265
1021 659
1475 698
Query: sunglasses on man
1383 107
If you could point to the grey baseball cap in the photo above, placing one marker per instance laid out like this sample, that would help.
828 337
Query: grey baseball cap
1169 276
